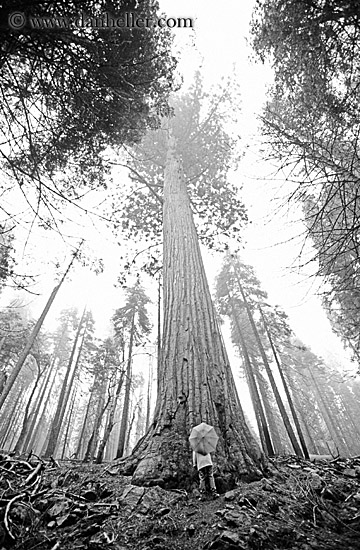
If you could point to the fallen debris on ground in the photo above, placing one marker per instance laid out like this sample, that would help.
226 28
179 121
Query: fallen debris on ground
302 505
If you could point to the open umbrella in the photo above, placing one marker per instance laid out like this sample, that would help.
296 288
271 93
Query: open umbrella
203 438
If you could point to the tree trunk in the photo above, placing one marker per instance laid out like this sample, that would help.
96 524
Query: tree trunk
15 424
2 342
125 413
41 402
333 429
36 409
5 431
313 445
195 379
100 410
67 431
159 325
81 441
255 397
302 408
65 392
140 421
349 420
277 440
274 388
287 392
110 420
130 427
26 420
15 372
42 424
74 372
148 395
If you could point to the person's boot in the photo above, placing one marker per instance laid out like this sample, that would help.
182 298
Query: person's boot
202 496
214 493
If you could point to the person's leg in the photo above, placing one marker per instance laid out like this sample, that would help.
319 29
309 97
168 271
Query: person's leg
212 481
202 477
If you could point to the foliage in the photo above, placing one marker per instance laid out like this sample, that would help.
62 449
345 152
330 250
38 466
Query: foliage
208 150
69 93
312 123
105 359
134 309
228 294
338 257
6 255
63 335
15 328
230 301
89 344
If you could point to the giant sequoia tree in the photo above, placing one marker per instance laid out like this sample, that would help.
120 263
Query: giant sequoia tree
188 167
312 123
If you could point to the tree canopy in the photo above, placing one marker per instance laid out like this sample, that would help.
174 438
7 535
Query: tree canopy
69 93
312 125
201 126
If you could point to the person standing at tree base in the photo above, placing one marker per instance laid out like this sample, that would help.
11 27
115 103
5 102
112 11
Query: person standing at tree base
204 465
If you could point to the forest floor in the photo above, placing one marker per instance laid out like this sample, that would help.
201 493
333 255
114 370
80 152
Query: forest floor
76 506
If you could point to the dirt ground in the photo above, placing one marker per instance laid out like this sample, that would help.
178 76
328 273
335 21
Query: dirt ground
75 506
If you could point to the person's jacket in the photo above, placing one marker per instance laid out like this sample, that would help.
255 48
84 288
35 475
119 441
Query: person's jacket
200 461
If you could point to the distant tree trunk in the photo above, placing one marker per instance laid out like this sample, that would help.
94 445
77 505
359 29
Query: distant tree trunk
100 410
148 396
255 397
303 409
42 400
287 392
35 415
72 379
3 378
140 421
41 423
2 342
277 441
26 420
15 424
313 445
5 431
64 393
333 429
68 426
194 379
130 427
110 419
348 416
125 412
81 441
269 373
15 372
159 325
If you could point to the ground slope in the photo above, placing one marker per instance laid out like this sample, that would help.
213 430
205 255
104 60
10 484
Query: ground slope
75 506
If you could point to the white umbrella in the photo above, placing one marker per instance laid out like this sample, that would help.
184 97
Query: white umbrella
203 438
